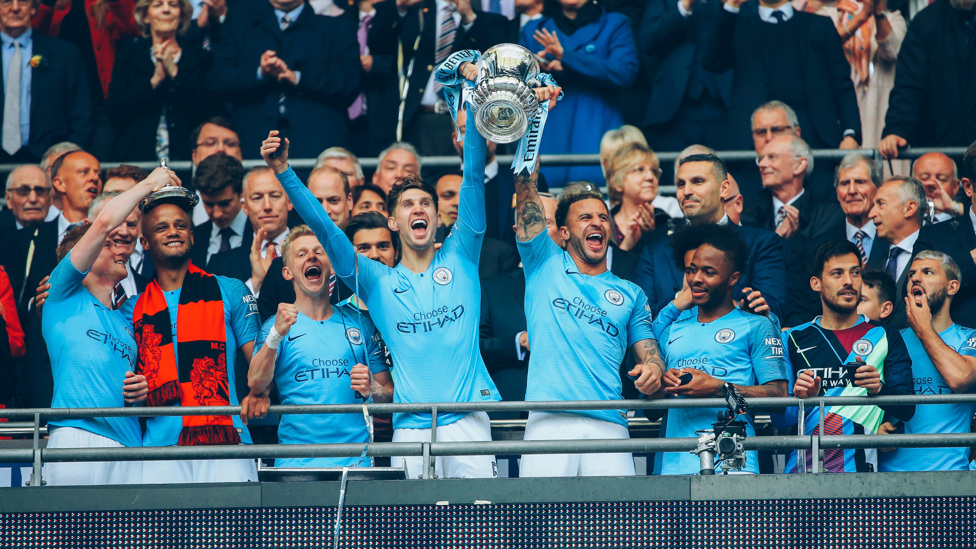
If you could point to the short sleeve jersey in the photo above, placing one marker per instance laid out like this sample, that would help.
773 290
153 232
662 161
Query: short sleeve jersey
740 348
314 361
580 328
934 418
91 348
241 324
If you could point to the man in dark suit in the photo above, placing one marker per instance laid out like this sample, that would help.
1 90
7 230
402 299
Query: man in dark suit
933 102
28 196
219 180
283 67
898 213
420 25
687 104
267 207
46 93
957 237
796 57
702 182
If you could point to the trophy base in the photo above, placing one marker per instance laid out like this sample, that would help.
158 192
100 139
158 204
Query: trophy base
503 107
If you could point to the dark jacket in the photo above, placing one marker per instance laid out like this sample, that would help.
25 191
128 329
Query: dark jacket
957 238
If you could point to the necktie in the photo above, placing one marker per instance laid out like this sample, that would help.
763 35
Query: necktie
285 22
495 6
445 40
118 297
225 235
11 104
282 109
859 242
272 251
780 215
359 105
892 266
332 284
779 16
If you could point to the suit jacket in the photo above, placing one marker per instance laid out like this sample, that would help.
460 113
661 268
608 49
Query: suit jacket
326 52
201 240
134 107
818 220
672 45
417 37
235 263
877 262
502 318
933 103
955 237
43 259
660 278
61 99
741 42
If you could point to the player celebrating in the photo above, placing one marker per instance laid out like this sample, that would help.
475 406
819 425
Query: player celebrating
720 344
316 354
943 362
93 352
842 353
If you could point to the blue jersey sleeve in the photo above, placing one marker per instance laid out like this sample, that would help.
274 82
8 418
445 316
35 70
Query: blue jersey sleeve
536 251
897 377
374 354
790 416
341 252
968 346
662 324
65 281
639 326
245 319
469 229
263 334
766 350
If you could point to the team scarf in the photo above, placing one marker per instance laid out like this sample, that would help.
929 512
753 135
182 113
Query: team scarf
198 376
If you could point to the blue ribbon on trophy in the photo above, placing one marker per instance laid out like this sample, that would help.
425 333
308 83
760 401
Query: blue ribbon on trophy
503 102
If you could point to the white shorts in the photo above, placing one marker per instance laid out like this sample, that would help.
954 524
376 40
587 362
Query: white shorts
88 473
187 471
564 426
474 427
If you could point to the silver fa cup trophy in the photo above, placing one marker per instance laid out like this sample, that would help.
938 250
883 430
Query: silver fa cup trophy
503 99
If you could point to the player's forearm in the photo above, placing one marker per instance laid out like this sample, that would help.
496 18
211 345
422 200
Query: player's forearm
381 392
647 352
471 204
530 215
772 389
261 372
958 371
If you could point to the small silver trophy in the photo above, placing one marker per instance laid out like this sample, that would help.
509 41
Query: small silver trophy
503 99
170 194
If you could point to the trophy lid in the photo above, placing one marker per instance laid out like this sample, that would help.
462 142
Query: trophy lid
170 194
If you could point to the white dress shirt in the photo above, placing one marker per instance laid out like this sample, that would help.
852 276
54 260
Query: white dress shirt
870 234
906 244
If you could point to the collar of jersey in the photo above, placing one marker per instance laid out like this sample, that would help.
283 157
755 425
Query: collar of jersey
860 318
570 266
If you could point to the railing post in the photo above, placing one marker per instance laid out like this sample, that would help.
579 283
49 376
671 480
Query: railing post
817 458
801 454
37 477
429 462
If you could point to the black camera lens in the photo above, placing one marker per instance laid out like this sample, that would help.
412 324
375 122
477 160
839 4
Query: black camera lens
726 445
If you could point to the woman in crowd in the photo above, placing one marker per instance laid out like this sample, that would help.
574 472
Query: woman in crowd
633 174
592 55
157 96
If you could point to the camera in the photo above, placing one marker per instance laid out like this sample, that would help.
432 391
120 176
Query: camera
725 440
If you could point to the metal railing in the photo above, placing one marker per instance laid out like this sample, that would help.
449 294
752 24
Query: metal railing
429 450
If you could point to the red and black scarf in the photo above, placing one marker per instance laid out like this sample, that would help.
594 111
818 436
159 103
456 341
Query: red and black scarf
198 376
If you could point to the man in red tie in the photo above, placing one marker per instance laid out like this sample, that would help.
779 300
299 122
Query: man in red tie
267 208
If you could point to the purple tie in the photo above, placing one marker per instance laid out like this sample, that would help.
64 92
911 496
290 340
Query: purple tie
358 106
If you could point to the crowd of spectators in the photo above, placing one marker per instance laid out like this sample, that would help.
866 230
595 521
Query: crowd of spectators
94 84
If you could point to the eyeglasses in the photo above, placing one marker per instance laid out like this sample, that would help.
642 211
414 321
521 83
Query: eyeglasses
775 130
25 190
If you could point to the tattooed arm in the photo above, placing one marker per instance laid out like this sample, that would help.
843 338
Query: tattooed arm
650 366
530 215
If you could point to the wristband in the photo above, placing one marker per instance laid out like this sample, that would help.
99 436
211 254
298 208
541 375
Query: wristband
274 339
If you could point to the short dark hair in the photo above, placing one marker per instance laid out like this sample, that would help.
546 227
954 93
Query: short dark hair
969 163
71 237
445 173
126 171
569 197
690 237
218 171
59 161
729 243
216 121
882 282
403 185
367 221
358 191
719 168
828 250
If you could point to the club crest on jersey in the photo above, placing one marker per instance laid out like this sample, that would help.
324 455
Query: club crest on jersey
862 347
443 276
614 297
724 335
354 336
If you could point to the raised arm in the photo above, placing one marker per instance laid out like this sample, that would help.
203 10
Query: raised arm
530 215
84 254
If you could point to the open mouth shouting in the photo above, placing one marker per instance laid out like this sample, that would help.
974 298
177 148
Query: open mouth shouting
419 228
595 241
313 274
918 294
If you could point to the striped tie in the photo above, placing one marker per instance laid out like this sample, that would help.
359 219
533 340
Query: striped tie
859 242
284 23
118 297
780 215
445 40
332 283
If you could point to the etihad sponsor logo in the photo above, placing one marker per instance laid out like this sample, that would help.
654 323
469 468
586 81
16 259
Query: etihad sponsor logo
430 321
725 335
118 346
324 368
591 314
702 363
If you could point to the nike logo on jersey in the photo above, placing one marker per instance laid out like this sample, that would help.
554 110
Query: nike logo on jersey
293 338
675 339
399 291
806 349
